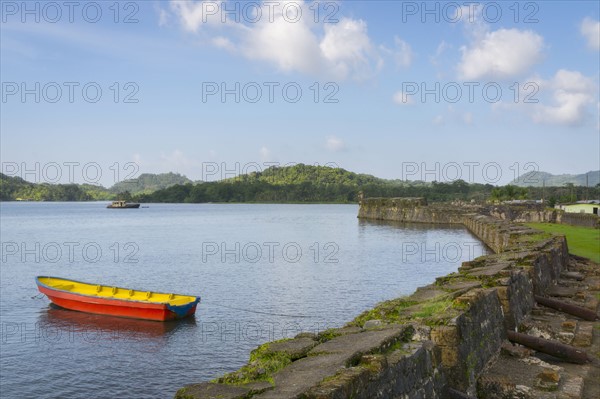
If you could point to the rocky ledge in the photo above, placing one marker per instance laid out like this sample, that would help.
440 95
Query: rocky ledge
456 338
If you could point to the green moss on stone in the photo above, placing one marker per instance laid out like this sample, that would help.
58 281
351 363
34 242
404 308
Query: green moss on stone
532 238
388 311
261 366
430 309
328 335
182 394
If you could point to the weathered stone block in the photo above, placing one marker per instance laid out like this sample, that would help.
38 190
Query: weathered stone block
583 336
445 335
294 348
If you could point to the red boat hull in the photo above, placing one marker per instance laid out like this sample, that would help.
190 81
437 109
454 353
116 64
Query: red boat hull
113 307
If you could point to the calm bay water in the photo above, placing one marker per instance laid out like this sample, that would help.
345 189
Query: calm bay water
264 272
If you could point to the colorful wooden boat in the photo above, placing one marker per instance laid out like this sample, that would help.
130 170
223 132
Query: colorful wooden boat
116 301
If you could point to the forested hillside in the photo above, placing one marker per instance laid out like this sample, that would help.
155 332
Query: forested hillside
298 183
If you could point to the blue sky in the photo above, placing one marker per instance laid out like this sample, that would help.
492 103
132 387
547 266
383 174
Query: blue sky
509 87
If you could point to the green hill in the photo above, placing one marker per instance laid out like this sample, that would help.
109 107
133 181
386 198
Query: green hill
299 183
539 178
306 183
147 183
15 188
301 173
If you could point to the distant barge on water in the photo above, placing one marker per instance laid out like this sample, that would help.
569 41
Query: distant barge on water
123 205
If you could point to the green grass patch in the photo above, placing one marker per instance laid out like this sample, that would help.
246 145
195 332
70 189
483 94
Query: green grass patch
328 335
182 394
533 238
261 366
430 309
388 311
403 310
582 241
460 306
436 312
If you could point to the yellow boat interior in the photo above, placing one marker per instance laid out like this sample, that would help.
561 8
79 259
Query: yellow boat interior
109 292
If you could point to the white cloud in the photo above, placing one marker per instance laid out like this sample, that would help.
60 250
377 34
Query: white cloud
472 16
403 54
163 17
346 45
137 159
453 116
176 160
443 46
500 54
402 98
335 144
564 99
439 51
290 46
590 29
341 50
572 93
264 154
224 43
192 14
468 118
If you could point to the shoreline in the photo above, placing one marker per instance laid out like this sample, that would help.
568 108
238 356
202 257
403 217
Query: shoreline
454 328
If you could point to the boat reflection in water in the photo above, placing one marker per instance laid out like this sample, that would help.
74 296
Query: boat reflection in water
61 324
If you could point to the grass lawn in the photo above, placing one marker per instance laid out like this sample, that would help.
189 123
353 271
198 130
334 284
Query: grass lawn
582 241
